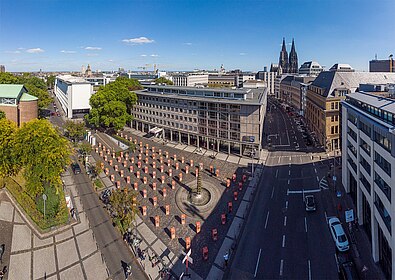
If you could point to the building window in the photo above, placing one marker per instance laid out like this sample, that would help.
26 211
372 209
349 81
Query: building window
352 134
365 128
365 165
383 212
365 183
352 148
383 186
385 165
365 146
382 141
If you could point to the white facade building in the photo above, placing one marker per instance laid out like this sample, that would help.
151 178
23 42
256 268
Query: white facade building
310 68
73 94
368 169
189 80
268 78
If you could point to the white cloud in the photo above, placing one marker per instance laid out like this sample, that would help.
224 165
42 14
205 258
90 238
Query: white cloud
93 48
35 50
92 54
188 44
15 52
138 41
64 51
242 53
154 55
143 55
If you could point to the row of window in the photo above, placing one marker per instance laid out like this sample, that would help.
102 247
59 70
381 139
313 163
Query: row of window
379 113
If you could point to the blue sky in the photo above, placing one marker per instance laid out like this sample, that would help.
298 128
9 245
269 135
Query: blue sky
191 34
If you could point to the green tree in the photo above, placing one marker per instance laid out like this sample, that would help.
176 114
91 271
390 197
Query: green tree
51 81
111 104
44 99
125 208
2 115
43 153
9 164
163 80
75 130
8 78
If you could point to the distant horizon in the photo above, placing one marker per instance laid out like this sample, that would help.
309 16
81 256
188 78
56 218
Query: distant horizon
176 34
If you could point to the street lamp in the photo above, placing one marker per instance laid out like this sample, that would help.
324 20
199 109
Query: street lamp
252 161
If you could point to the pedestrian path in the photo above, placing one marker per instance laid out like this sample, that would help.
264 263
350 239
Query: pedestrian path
70 252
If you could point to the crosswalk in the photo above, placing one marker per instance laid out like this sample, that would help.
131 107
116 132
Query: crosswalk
324 184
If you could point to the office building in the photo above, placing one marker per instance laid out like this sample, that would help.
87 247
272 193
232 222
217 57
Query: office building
323 100
17 104
225 120
221 80
2 68
310 68
189 79
73 94
368 168
268 78
383 65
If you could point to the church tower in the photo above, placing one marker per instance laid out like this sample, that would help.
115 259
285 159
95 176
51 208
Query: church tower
283 61
293 60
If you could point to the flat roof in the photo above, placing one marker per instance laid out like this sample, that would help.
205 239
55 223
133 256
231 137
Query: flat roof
386 104
73 79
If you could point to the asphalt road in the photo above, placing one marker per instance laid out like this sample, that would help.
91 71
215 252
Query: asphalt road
280 239
108 238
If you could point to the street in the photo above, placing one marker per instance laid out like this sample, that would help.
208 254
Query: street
281 239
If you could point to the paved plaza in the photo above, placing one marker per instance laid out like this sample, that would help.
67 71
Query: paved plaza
158 173
70 253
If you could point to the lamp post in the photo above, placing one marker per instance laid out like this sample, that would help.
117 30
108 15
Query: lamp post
252 161
45 199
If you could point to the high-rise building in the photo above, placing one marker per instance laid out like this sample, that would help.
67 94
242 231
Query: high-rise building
283 60
293 60
2 68
383 65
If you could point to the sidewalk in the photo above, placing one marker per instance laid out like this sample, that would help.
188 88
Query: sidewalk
361 251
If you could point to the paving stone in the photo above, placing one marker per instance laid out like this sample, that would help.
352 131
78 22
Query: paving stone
225 248
86 244
162 250
67 253
221 156
18 218
64 235
37 242
21 238
247 194
244 161
6 211
94 267
215 273
16 262
68 180
74 272
83 225
234 229
233 159
145 231
242 209
43 262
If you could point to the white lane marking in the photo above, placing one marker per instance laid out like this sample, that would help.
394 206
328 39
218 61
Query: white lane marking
290 158
267 218
303 191
318 179
286 204
289 173
276 173
313 163
315 170
279 159
289 165
285 221
309 270
326 217
288 181
272 193
305 224
257 262
281 267
283 241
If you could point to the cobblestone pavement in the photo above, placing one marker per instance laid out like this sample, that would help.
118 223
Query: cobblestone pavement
157 197
70 253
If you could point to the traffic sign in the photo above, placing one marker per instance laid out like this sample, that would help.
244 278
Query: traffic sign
349 215
334 178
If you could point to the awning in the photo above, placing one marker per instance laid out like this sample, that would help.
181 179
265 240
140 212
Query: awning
155 130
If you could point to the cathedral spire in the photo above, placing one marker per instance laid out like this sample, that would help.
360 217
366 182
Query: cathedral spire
293 59
283 60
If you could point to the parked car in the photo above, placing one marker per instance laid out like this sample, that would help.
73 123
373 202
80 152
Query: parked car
338 234
348 271
76 168
310 203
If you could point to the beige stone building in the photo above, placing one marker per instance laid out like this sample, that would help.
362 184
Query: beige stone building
17 104
225 120
323 99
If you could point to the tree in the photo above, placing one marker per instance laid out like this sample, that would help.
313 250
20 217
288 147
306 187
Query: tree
44 99
111 104
9 164
2 115
75 130
8 78
43 153
51 81
125 208
163 80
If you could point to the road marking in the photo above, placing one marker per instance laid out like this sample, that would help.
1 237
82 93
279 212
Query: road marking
318 179
286 204
257 262
289 165
283 241
305 224
267 218
303 191
285 221
272 193
281 267
279 159
326 217
276 173
309 269
315 170
288 181
289 172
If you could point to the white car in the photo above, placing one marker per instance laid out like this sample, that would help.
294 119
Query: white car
338 234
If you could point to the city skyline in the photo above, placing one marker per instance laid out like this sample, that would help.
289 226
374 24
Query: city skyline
179 35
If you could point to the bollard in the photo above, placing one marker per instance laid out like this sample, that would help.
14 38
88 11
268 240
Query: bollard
160 152
170 172
155 200
164 192
154 164
205 253
121 173
183 217
214 234
169 162
144 210
177 165
235 195
167 154
173 232
156 221
153 174
153 156
145 193
146 160
153 149
112 178
182 159
197 227
135 186
154 186
138 174
167 209
187 243
227 183
161 159
186 169
223 219
173 184
128 179
230 206
161 168
131 169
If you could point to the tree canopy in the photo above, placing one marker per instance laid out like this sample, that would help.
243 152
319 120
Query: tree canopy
123 202
163 80
43 153
75 130
2 115
51 81
9 164
111 104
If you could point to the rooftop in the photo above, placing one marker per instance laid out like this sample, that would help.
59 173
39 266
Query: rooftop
11 91
386 104
73 79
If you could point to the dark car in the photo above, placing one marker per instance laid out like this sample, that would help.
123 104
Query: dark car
309 203
76 168
348 271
